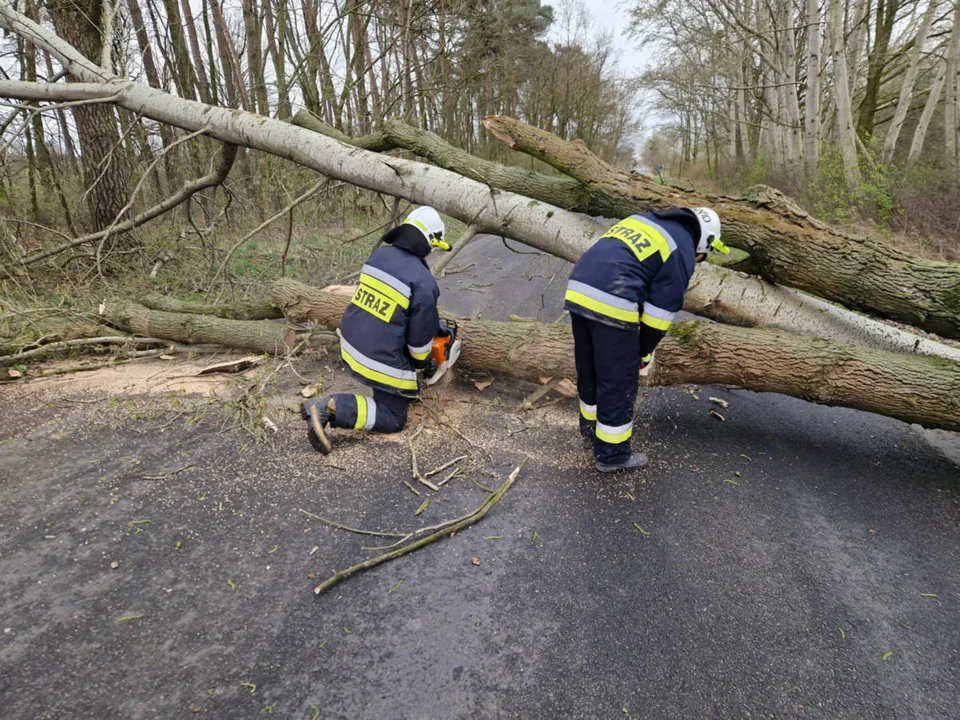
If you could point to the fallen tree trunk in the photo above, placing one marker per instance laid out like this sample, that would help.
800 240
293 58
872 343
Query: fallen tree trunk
736 299
243 310
923 390
263 336
786 244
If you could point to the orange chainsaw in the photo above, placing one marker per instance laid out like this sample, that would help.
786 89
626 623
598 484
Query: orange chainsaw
446 349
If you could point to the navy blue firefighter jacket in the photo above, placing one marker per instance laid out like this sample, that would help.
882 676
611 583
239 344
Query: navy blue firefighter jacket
635 276
387 330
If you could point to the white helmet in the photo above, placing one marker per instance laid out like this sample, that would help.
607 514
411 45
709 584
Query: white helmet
428 221
709 231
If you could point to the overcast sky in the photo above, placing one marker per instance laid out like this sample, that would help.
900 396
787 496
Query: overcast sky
606 16
610 16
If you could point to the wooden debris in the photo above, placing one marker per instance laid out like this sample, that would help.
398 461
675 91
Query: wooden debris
233 366
446 465
311 390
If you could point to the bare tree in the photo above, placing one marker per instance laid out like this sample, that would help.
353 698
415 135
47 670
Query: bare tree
909 83
841 84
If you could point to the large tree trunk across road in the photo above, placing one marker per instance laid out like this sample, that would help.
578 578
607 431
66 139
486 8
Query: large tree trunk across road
924 390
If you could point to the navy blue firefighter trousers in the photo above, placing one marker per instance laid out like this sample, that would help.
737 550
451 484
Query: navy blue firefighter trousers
384 412
608 363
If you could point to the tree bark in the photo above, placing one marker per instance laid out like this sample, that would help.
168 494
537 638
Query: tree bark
186 80
276 26
923 390
841 89
190 27
244 310
933 99
811 119
255 75
885 19
264 336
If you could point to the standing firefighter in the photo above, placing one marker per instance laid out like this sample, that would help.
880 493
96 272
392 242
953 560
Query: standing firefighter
389 333
622 296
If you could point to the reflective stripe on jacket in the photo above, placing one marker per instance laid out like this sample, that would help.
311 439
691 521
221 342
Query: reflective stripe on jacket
636 274
387 330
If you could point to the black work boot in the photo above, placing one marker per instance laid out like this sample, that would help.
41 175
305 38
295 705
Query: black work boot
636 461
318 414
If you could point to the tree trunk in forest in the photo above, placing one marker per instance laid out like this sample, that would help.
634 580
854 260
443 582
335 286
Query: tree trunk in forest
48 172
914 389
951 141
847 135
264 336
190 27
143 43
78 23
255 76
886 17
357 63
933 99
185 78
909 82
276 26
153 79
811 118
232 76
216 92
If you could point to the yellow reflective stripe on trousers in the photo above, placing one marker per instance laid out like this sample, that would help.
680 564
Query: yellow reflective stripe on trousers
614 435
642 237
602 303
361 412
385 289
589 412
377 371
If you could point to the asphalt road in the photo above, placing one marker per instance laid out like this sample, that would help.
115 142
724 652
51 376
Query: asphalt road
792 561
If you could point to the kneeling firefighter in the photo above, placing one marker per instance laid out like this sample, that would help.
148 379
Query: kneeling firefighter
622 295
389 333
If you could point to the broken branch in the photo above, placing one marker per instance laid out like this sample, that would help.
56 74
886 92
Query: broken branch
470 519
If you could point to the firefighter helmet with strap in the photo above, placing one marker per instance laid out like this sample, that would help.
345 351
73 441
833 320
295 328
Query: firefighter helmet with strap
709 232
428 221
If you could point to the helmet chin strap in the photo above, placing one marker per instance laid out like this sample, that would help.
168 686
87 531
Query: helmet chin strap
718 245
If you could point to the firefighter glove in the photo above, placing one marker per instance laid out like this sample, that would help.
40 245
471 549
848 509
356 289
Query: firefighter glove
646 362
